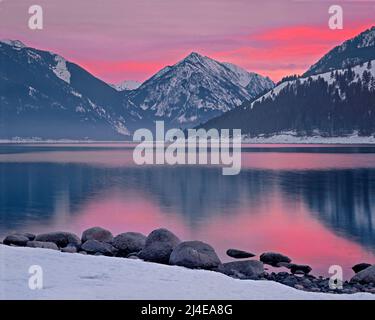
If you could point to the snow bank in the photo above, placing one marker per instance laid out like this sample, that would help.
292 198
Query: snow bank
75 276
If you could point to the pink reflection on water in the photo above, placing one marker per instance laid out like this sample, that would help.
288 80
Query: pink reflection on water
130 212
276 226
304 161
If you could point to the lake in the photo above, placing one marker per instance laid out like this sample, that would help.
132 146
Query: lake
314 203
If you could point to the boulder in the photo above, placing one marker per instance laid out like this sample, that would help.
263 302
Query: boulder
97 233
290 280
28 235
247 269
284 264
360 266
133 254
70 249
43 245
365 276
129 242
300 268
273 258
133 257
194 255
239 254
96 247
16 240
299 287
60 238
159 246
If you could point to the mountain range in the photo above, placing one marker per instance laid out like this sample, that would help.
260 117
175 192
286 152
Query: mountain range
335 97
43 95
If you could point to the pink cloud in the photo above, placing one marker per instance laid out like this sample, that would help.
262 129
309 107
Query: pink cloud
282 51
133 39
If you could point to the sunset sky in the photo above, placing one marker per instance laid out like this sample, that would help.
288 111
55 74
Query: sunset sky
123 39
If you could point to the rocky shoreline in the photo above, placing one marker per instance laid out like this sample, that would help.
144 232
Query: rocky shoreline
164 247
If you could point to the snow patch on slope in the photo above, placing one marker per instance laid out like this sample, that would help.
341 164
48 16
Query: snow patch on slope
358 71
61 70
120 128
126 85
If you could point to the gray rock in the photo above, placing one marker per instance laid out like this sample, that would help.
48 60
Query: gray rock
95 246
284 265
299 287
194 255
307 283
97 233
159 246
77 246
28 235
365 276
300 268
239 254
273 258
129 242
360 266
290 280
43 245
16 240
133 254
69 249
60 238
282 274
298 273
133 257
247 269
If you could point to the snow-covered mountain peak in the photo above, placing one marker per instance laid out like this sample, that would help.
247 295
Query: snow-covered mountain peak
197 61
196 88
194 56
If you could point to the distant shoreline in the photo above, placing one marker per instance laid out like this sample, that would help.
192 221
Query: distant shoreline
282 139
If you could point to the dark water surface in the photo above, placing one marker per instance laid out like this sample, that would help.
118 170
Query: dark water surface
315 204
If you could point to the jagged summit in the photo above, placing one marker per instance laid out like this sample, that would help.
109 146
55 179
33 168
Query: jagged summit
195 58
194 55
195 89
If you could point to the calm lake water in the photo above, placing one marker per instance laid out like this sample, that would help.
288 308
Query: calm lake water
315 204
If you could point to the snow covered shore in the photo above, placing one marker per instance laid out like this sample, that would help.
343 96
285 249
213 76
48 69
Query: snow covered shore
76 276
